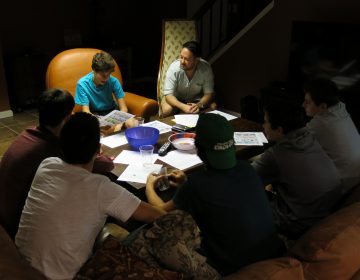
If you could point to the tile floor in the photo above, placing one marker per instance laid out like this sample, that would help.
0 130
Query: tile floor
12 126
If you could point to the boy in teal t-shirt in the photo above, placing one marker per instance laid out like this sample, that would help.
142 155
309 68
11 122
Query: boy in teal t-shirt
94 92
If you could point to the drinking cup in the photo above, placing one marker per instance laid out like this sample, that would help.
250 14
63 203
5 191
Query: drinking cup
164 182
139 121
146 152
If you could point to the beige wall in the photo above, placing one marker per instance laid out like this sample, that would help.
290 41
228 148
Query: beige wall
262 54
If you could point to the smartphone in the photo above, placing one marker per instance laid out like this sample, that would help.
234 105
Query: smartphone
181 128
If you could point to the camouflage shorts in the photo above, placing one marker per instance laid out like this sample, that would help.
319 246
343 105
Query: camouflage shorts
171 242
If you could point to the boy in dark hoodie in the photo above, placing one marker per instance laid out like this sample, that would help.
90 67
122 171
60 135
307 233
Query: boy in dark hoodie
305 181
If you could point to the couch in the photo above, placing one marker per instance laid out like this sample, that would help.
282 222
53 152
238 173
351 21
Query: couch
329 250
12 266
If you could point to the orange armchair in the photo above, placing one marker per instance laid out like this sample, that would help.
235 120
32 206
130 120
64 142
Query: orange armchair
67 67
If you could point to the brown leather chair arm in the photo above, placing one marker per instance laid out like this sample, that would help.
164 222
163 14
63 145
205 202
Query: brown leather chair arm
141 106
12 264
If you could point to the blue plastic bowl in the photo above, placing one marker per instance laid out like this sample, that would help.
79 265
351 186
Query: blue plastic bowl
141 135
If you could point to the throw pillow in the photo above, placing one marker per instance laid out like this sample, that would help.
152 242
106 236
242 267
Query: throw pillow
331 249
115 261
12 265
273 269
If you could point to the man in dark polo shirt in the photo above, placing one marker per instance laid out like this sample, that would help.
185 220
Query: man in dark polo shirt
226 199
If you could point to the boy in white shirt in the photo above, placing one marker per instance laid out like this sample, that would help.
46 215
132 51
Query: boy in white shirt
67 205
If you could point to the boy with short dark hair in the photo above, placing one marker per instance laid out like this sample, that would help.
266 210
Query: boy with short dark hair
305 180
20 161
67 205
333 128
94 92
226 199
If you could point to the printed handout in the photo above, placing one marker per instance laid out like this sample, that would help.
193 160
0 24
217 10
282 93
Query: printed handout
162 127
249 138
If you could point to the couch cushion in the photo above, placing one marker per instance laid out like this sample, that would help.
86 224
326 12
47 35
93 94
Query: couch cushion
356 276
12 266
331 249
115 261
274 269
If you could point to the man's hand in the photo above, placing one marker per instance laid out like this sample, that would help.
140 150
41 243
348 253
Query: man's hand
177 178
132 122
107 130
153 198
153 180
194 108
190 108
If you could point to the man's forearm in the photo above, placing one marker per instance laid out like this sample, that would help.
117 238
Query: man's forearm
174 102
122 105
147 213
153 198
205 101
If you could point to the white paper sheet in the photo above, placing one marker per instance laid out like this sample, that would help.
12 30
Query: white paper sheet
249 138
115 140
262 137
226 115
162 127
138 173
189 120
181 159
131 157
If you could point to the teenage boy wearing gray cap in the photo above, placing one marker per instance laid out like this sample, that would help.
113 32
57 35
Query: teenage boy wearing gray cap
226 199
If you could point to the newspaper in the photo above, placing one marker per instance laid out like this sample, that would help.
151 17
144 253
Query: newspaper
114 117
250 138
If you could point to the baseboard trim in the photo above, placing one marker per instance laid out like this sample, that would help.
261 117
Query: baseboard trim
6 114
